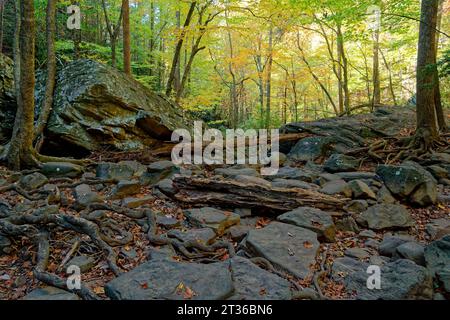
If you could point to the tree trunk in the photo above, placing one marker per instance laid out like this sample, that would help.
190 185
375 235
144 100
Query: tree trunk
437 94
344 64
126 37
20 153
391 83
427 125
51 74
113 53
376 69
1 26
269 78
176 56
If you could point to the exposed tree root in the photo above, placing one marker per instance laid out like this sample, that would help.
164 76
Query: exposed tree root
184 246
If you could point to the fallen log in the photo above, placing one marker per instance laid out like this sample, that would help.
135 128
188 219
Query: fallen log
234 194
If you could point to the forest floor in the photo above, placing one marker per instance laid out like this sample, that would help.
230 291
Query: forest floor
202 232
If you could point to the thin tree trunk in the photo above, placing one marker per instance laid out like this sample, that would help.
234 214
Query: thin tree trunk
176 56
437 93
113 31
427 125
152 38
376 69
344 68
20 153
51 74
391 83
2 5
126 37
269 78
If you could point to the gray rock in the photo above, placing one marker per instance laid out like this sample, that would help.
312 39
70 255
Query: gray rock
341 163
125 188
167 222
33 181
324 178
368 234
287 184
385 196
288 247
356 206
313 219
347 224
5 245
361 190
290 173
400 280
124 170
371 243
8 105
166 186
203 236
159 171
359 175
357 253
127 116
310 148
389 245
50 293
133 203
437 257
85 263
252 180
232 172
410 180
165 279
237 233
337 187
254 283
243 212
61 169
438 228
84 196
212 218
387 216
412 251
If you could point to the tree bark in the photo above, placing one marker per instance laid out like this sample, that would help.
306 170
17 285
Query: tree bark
126 37
437 94
113 31
176 56
269 78
1 26
20 153
376 69
344 64
427 125
51 73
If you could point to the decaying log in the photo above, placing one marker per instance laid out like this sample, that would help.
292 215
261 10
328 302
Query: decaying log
233 194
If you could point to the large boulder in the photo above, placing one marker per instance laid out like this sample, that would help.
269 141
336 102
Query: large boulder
411 181
400 280
287 247
166 279
437 257
97 106
7 98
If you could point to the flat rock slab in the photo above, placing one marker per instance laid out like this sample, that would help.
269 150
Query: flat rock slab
400 280
254 283
287 247
50 293
313 219
203 235
62 169
387 216
166 279
212 218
